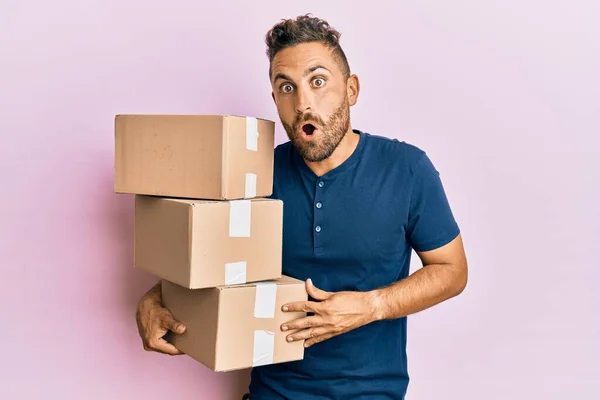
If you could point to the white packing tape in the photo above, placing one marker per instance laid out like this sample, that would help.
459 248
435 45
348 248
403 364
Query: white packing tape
235 273
264 348
250 186
239 218
251 134
264 302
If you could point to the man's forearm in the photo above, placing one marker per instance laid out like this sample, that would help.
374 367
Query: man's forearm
423 289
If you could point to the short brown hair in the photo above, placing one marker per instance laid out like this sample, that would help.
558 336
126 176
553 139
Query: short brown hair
305 29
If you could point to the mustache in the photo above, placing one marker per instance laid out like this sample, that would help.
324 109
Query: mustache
308 119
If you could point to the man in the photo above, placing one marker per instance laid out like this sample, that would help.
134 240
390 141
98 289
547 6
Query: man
355 206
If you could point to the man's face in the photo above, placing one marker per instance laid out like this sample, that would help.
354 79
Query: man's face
313 99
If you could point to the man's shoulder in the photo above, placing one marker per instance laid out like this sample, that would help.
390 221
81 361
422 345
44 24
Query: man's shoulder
283 148
393 150
283 154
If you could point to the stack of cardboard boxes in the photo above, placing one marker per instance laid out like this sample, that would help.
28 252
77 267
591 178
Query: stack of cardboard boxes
204 225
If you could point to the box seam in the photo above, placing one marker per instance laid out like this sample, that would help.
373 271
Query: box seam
190 239
224 190
216 354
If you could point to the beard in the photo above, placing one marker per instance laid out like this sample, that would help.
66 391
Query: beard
331 133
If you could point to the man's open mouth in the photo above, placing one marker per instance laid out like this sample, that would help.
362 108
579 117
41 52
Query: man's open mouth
309 129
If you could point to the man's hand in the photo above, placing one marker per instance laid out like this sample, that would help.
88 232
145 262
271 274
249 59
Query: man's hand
154 321
334 314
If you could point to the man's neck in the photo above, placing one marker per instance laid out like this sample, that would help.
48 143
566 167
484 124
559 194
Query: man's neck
340 154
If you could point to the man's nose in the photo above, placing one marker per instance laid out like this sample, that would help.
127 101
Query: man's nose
303 101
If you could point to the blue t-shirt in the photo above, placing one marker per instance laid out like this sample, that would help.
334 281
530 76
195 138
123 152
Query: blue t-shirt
354 229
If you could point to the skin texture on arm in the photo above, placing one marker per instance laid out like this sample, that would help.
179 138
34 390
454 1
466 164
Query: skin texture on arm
154 321
443 276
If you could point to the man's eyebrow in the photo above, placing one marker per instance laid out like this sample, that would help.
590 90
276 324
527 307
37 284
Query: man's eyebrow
314 68
281 76
310 70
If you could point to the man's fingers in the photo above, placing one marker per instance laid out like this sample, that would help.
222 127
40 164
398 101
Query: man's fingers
309 333
315 292
318 339
167 348
302 323
170 323
162 346
301 306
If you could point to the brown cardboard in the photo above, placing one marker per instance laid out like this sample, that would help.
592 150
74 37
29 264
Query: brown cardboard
207 243
221 323
216 157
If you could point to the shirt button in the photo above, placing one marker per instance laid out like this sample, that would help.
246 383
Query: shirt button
321 184
318 229
318 205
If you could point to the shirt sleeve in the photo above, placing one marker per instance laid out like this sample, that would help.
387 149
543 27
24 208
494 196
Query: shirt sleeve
431 223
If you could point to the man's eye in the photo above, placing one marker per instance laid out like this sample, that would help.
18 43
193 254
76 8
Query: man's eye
318 82
286 88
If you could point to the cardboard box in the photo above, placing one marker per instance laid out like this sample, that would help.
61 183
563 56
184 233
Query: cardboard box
207 243
236 327
216 157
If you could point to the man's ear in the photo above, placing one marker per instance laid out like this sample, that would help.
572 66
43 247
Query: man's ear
353 85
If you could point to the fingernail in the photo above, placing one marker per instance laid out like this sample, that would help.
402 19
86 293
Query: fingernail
289 338
285 308
284 328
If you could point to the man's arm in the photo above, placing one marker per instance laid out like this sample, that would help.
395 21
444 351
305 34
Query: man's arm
443 276
429 228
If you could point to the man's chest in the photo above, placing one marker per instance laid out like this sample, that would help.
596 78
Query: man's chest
350 227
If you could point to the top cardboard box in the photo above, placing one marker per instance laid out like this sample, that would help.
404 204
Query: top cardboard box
213 157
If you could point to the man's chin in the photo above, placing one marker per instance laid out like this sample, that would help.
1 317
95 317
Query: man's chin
311 151
313 154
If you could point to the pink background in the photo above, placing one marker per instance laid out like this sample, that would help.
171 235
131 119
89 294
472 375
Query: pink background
502 95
